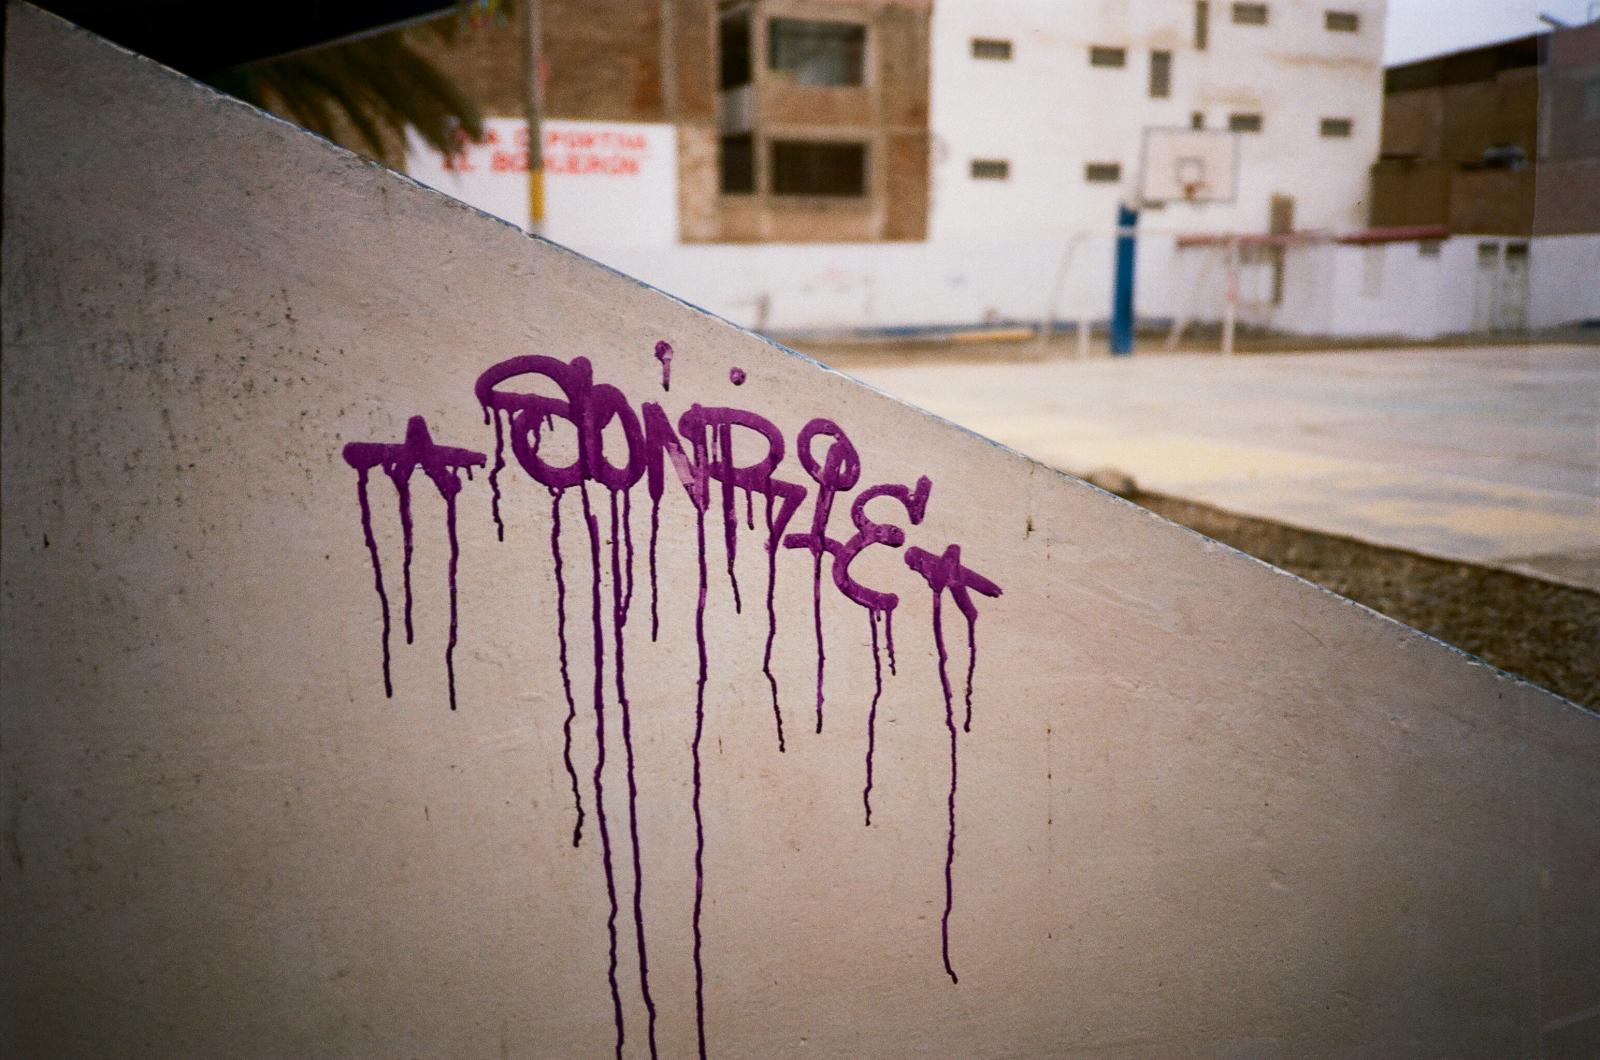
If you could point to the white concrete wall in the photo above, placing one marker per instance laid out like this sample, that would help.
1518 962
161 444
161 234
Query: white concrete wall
1203 807
1392 288
1048 111
1564 280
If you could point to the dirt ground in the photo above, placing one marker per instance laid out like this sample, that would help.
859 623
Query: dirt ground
1547 633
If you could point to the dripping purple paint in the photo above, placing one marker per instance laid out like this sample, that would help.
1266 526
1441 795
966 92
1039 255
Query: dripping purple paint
618 445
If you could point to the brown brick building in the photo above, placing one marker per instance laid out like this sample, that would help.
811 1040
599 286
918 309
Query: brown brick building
797 120
1499 140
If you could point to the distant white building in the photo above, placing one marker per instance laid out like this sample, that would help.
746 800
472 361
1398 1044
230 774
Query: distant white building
1037 114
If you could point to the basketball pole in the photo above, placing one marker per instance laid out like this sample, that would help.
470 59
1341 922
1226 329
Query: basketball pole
1122 291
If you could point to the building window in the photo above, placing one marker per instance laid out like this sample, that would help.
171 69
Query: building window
990 169
733 48
828 54
1160 75
1430 248
1250 14
1197 120
1102 172
1341 21
1202 24
1336 127
1244 123
985 48
736 162
809 168
1108 56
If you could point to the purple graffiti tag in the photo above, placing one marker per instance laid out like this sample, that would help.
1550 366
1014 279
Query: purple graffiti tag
619 616
944 573
838 471
664 355
869 532
443 466
736 376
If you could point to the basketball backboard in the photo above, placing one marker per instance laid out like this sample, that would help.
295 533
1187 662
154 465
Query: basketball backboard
1188 165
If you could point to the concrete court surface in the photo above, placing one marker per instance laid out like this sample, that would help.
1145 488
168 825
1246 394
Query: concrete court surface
1488 454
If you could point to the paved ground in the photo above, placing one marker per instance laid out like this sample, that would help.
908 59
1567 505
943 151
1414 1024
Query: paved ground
1490 455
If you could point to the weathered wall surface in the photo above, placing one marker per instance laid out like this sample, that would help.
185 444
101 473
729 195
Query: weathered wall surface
1202 807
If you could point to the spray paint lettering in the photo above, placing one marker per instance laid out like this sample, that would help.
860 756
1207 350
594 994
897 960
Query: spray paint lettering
739 450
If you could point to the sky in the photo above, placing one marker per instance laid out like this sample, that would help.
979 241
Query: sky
1418 29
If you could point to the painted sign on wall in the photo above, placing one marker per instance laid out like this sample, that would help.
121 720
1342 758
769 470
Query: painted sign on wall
606 183
594 439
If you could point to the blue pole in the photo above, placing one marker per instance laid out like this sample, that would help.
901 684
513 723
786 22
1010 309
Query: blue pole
1122 294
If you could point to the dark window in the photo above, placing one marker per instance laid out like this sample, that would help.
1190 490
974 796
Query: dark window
1342 21
1202 24
990 169
817 53
1108 56
1336 127
984 48
804 168
734 50
1244 123
1250 14
1102 172
1160 75
737 163
1430 248
1197 120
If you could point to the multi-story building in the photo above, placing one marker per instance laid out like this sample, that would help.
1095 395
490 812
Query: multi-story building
862 163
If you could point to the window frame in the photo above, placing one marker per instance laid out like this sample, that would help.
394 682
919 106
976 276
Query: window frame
1160 59
776 143
863 59
722 167
1202 24
1102 172
747 15
1000 48
1243 13
1336 128
1246 122
998 169
1108 57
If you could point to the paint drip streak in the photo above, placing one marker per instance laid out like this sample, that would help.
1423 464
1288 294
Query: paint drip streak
699 823
619 616
816 611
872 712
455 557
600 758
403 489
655 531
566 676
950 847
377 573
772 623
494 473
972 664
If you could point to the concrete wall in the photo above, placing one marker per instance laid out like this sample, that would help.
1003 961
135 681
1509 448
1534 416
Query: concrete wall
1402 289
1203 808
